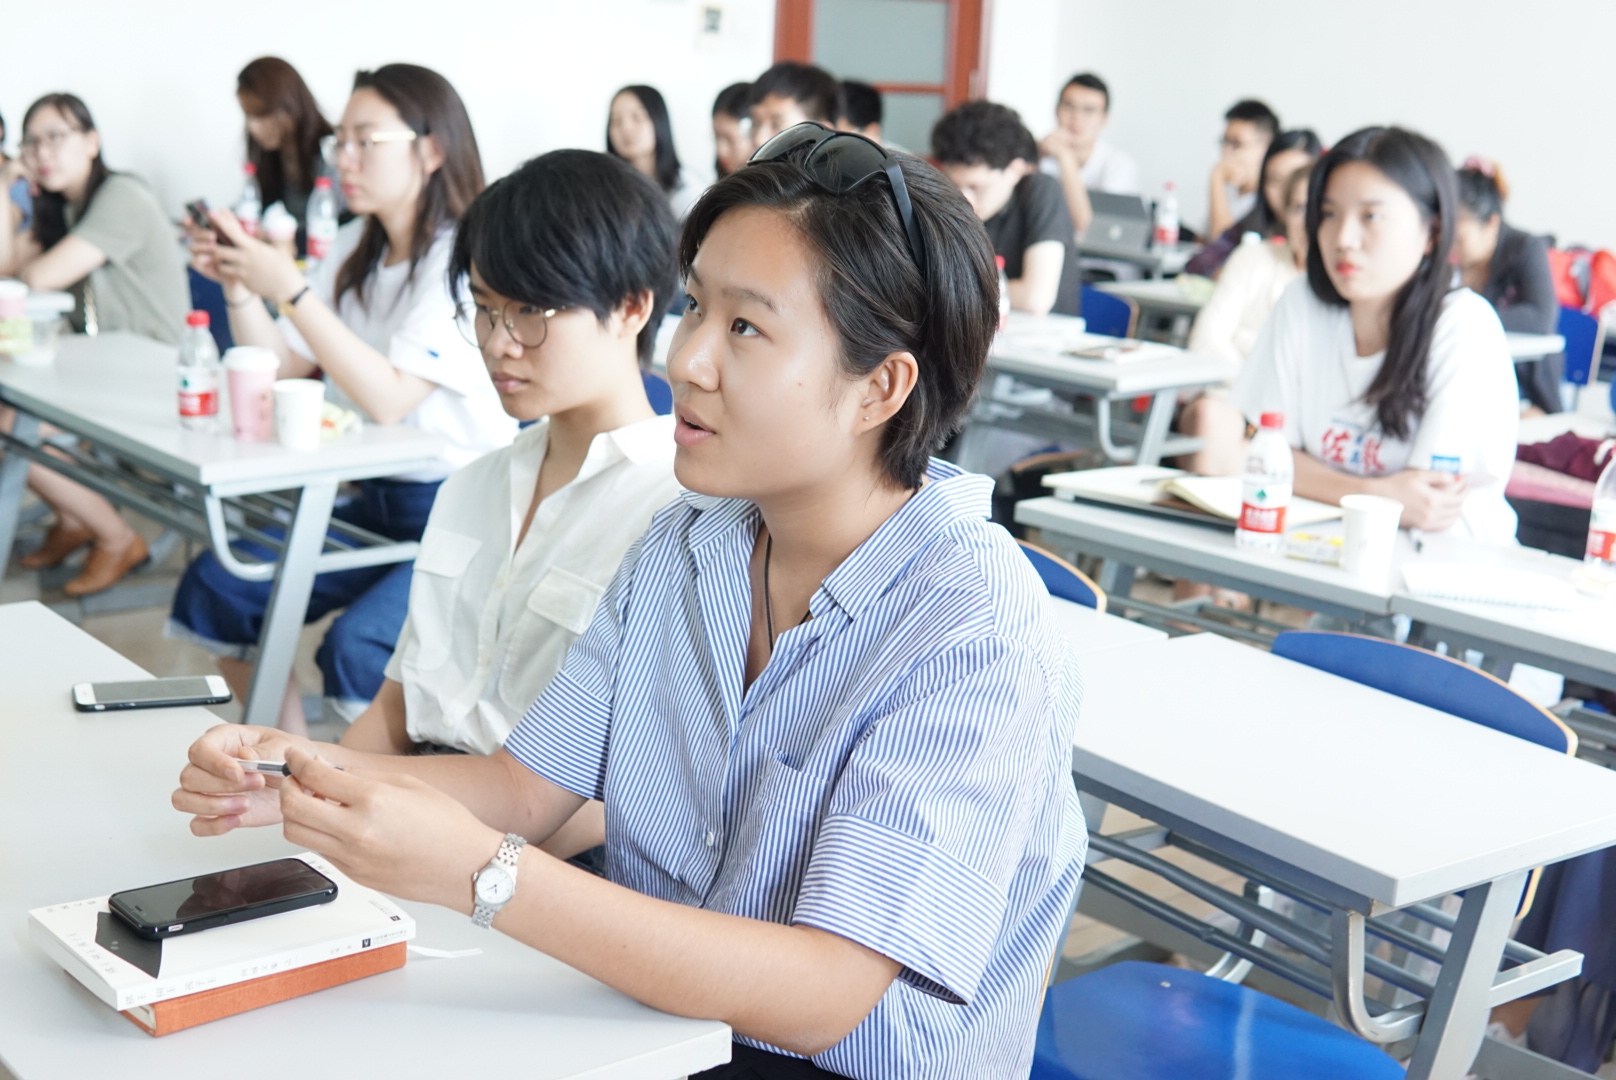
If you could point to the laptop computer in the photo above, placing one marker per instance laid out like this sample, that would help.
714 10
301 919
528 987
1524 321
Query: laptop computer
1121 223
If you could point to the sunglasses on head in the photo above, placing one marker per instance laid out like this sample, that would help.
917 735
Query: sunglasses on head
838 162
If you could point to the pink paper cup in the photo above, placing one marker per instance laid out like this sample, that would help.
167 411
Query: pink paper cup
250 372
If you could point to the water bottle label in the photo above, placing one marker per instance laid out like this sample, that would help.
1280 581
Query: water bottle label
1445 464
1602 533
320 245
1263 505
199 393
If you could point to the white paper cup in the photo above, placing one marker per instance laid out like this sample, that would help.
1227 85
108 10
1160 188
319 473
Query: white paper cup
1371 534
297 412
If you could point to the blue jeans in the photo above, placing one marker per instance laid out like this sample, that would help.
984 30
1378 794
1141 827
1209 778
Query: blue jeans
225 614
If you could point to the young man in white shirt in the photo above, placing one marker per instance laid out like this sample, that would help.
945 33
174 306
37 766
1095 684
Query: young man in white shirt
1075 153
567 263
1248 127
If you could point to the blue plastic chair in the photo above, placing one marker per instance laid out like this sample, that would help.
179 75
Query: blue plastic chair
658 392
1582 344
1113 316
1137 1021
1062 579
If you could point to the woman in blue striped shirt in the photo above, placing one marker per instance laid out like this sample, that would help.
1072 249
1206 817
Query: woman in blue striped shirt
822 701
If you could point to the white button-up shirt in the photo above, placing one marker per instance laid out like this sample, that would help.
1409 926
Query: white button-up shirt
489 623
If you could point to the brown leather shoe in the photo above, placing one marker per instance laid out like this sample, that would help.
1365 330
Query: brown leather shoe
105 568
60 542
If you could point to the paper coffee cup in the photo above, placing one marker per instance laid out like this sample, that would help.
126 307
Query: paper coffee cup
250 374
1371 535
297 412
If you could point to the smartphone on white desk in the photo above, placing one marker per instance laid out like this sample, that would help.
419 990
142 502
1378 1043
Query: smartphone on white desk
151 693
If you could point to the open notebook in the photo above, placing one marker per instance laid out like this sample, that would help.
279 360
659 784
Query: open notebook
1212 500
1483 584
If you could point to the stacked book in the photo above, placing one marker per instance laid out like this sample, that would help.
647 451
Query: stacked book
179 982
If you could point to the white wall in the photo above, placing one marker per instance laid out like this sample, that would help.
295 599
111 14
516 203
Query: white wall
159 75
1524 83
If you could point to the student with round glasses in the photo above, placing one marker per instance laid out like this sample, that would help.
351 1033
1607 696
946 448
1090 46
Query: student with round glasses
377 319
822 701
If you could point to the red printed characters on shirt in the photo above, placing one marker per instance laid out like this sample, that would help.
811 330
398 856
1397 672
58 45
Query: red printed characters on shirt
1348 446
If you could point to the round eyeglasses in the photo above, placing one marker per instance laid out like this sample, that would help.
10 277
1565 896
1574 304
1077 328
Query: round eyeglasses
527 324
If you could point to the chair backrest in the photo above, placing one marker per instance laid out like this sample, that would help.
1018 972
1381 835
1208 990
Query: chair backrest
1062 579
1429 679
1581 333
208 296
1113 316
657 392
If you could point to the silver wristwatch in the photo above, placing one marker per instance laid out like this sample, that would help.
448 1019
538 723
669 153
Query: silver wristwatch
493 886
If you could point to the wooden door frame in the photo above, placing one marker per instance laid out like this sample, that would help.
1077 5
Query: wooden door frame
965 72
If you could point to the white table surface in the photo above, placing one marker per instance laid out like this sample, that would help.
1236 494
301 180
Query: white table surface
1025 349
1533 346
1388 799
84 811
1175 545
1092 632
119 390
1159 293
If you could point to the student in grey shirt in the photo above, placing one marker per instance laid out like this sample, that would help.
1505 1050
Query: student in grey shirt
102 235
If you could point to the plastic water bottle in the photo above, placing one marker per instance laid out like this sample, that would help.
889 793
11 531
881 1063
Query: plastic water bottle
1265 492
199 374
1165 233
321 225
250 207
1004 293
1601 552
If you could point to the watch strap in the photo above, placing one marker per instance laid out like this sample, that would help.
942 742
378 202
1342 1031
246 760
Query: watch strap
509 851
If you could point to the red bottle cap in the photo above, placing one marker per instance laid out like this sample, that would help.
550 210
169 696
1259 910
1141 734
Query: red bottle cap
323 182
998 260
250 169
197 318
1273 420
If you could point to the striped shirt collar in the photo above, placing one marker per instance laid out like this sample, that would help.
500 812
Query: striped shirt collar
949 494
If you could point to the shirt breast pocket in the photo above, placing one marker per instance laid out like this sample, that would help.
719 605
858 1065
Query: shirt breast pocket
559 609
434 590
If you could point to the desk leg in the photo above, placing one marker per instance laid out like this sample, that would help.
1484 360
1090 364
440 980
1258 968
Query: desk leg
13 479
1116 578
1456 1016
288 602
1157 424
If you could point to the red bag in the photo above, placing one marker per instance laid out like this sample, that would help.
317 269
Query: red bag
1601 282
1583 278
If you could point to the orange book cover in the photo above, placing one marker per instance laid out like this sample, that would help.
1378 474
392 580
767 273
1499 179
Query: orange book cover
177 1014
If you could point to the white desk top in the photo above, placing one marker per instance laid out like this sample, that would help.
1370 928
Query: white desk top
118 389
84 810
1391 800
1091 632
1158 541
1534 346
1028 347
1170 261
1157 292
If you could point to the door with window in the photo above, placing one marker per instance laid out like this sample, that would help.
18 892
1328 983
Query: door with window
925 56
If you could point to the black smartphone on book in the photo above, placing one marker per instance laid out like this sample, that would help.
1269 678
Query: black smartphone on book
229 896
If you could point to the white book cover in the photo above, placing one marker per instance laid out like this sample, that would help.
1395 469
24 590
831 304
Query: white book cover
124 970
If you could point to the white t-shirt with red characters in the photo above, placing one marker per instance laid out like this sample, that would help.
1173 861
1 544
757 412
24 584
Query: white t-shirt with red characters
1305 364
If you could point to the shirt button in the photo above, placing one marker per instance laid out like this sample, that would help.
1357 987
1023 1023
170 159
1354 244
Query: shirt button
711 839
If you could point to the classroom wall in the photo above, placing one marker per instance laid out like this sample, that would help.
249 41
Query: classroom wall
1525 83
159 75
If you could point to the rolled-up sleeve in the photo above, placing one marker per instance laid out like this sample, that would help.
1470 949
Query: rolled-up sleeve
917 853
565 733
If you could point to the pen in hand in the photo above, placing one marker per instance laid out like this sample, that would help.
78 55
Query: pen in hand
276 768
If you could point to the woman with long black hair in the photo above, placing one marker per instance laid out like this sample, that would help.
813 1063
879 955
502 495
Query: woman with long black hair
102 235
1391 381
1290 150
284 131
378 319
639 131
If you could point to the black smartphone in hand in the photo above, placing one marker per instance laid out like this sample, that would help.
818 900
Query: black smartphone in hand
229 896
197 210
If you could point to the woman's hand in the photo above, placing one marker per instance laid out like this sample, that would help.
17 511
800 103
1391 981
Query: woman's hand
390 832
1431 500
258 267
12 171
219 792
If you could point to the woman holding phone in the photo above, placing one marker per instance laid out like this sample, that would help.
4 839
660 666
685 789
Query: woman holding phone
823 701
1392 382
102 235
378 320
284 131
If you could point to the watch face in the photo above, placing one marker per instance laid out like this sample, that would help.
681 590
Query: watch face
495 884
